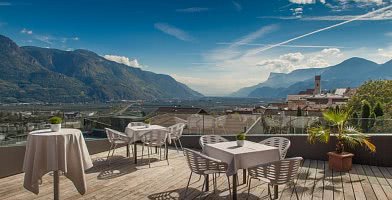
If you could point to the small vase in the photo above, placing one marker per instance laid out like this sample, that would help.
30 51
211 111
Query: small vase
240 143
55 127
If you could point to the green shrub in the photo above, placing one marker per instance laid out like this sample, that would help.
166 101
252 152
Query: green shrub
241 136
55 120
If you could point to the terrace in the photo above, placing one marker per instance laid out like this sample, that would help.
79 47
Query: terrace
125 180
370 178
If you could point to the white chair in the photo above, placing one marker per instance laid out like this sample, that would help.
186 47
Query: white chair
116 138
276 173
175 132
211 139
136 124
203 165
280 142
155 138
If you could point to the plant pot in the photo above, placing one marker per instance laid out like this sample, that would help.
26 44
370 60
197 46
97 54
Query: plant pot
55 127
340 162
240 143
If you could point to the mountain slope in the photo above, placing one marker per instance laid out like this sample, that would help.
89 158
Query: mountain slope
350 73
280 80
39 74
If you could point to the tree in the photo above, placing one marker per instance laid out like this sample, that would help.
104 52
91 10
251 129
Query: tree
355 120
372 120
337 108
378 110
365 114
299 111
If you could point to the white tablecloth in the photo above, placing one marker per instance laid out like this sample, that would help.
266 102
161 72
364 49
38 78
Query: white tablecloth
48 151
251 154
136 132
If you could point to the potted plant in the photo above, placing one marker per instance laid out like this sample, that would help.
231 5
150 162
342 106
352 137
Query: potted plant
147 122
55 123
241 139
339 160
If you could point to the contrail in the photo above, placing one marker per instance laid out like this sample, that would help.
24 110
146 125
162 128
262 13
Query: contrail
283 45
256 51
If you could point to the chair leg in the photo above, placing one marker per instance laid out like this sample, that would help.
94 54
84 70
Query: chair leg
202 188
186 190
175 144
111 146
148 154
167 152
250 181
182 149
296 194
142 151
214 182
269 191
160 153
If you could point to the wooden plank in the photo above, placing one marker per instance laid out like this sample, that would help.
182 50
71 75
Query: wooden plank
318 188
304 172
328 183
347 186
337 185
382 181
310 181
356 184
374 183
386 174
367 188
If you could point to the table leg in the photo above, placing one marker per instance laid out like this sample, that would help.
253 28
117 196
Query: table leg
207 183
235 186
276 190
135 152
56 187
167 151
244 176
127 150
156 150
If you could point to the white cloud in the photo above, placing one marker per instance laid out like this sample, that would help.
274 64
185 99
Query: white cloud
123 60
389 34
192 10
387 15
173 31
255 35
332 51
25 31
306 1
237 6
387 53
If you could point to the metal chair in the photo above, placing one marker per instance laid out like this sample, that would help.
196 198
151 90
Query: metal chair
175 132
155 138
280 142
211 139
203 165
276 173
116 138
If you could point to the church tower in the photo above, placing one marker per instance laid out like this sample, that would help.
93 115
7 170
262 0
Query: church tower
317 85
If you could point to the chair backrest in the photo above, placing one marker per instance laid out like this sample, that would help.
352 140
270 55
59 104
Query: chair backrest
211 139
176 130
156 137
199 163
110 134
280 142
278 172
136 124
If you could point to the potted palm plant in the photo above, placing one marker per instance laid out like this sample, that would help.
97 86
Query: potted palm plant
346 136
241 139
55 124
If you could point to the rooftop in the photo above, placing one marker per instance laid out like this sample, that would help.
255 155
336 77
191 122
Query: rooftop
125 180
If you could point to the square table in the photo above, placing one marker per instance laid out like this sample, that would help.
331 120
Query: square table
136 133
249 155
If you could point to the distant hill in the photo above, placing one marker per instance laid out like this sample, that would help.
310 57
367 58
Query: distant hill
30 74
350 73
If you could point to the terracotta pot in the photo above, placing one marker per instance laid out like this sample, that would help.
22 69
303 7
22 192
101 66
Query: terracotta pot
340 162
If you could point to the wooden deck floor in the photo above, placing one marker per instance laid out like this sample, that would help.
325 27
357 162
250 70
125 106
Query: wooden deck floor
124 180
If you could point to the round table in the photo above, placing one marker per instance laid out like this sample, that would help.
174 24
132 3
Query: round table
64 151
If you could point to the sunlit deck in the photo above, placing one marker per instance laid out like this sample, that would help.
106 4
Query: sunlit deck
125 180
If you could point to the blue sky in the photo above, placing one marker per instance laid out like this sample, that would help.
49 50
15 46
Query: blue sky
215 47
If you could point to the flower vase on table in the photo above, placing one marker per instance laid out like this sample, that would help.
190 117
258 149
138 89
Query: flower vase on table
55 124
241 139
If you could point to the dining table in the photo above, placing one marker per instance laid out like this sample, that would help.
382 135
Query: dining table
135 133
241 157
63 151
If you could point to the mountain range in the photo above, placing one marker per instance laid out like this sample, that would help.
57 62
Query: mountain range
34 74
350 73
